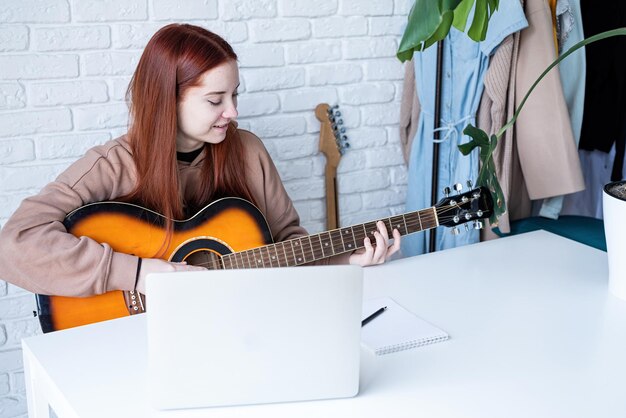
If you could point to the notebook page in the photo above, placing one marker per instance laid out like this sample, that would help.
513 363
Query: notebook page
396 329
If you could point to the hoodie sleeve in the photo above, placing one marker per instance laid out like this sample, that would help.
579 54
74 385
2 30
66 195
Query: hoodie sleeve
36 251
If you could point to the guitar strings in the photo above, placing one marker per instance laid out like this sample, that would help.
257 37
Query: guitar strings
309 254
410 221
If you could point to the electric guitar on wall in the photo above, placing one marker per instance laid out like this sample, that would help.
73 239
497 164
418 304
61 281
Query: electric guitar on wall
229 233
333 143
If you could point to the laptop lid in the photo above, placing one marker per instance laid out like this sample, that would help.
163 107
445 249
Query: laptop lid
232 337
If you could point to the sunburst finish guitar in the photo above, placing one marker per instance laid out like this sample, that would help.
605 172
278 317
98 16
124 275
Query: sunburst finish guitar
229 233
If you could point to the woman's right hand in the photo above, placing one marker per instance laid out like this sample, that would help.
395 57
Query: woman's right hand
156 265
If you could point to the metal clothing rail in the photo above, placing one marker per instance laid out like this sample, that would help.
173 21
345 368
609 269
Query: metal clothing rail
435 170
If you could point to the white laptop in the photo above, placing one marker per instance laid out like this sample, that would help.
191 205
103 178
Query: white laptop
234 337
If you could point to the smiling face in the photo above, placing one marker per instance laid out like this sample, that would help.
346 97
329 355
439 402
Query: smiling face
204 111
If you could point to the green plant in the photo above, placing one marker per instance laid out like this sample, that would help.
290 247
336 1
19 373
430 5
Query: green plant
430 22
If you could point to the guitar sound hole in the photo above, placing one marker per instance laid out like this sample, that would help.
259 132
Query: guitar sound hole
207 259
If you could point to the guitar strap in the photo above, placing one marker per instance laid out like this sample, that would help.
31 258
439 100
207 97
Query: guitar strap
135 301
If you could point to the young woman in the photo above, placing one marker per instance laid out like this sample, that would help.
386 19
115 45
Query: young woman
182 151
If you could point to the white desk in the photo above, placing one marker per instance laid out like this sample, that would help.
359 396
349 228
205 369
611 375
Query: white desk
534 333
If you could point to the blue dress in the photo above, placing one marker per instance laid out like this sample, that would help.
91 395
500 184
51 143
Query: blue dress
464 65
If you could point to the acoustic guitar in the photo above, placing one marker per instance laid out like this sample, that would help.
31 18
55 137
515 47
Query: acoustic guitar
333 143
230 233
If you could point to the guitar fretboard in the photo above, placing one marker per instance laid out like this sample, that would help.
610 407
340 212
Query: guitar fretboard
307 249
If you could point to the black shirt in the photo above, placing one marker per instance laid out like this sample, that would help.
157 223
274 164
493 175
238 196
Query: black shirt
604 117
188 156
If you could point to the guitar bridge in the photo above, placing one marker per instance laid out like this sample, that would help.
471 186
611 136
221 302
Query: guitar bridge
135 302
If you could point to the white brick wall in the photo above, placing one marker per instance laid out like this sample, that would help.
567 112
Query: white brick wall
65 66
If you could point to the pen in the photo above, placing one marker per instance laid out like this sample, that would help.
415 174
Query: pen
372 316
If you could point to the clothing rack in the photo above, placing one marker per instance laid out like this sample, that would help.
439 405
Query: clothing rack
432 245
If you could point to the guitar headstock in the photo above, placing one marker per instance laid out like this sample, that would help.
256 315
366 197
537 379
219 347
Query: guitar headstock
333 140
463 208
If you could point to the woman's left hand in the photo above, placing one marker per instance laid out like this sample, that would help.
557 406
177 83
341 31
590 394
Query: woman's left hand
371 255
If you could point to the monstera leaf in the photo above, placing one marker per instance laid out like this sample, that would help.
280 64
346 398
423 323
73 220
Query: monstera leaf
487 175
431 20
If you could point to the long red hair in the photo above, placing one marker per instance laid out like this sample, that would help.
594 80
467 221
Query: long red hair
174 59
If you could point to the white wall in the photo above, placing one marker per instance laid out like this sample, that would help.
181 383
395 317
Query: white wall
65 66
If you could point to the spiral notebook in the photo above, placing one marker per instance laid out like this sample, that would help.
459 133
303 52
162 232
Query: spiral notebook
397 328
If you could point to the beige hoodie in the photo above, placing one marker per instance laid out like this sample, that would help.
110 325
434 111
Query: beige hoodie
38 254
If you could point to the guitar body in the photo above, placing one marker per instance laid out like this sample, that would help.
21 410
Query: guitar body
225 226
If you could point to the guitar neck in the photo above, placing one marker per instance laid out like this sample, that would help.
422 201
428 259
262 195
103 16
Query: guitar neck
307 249
332 208
332 144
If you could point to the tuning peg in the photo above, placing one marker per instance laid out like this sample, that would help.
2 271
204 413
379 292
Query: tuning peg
337 113
458 187
469 184
478 224
335 106
446 191
455 231
456 219
479 213
466 227
338 129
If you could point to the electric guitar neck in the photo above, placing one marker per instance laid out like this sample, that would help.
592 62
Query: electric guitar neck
333 143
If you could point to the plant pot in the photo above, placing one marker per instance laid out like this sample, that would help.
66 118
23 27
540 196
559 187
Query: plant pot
614 209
